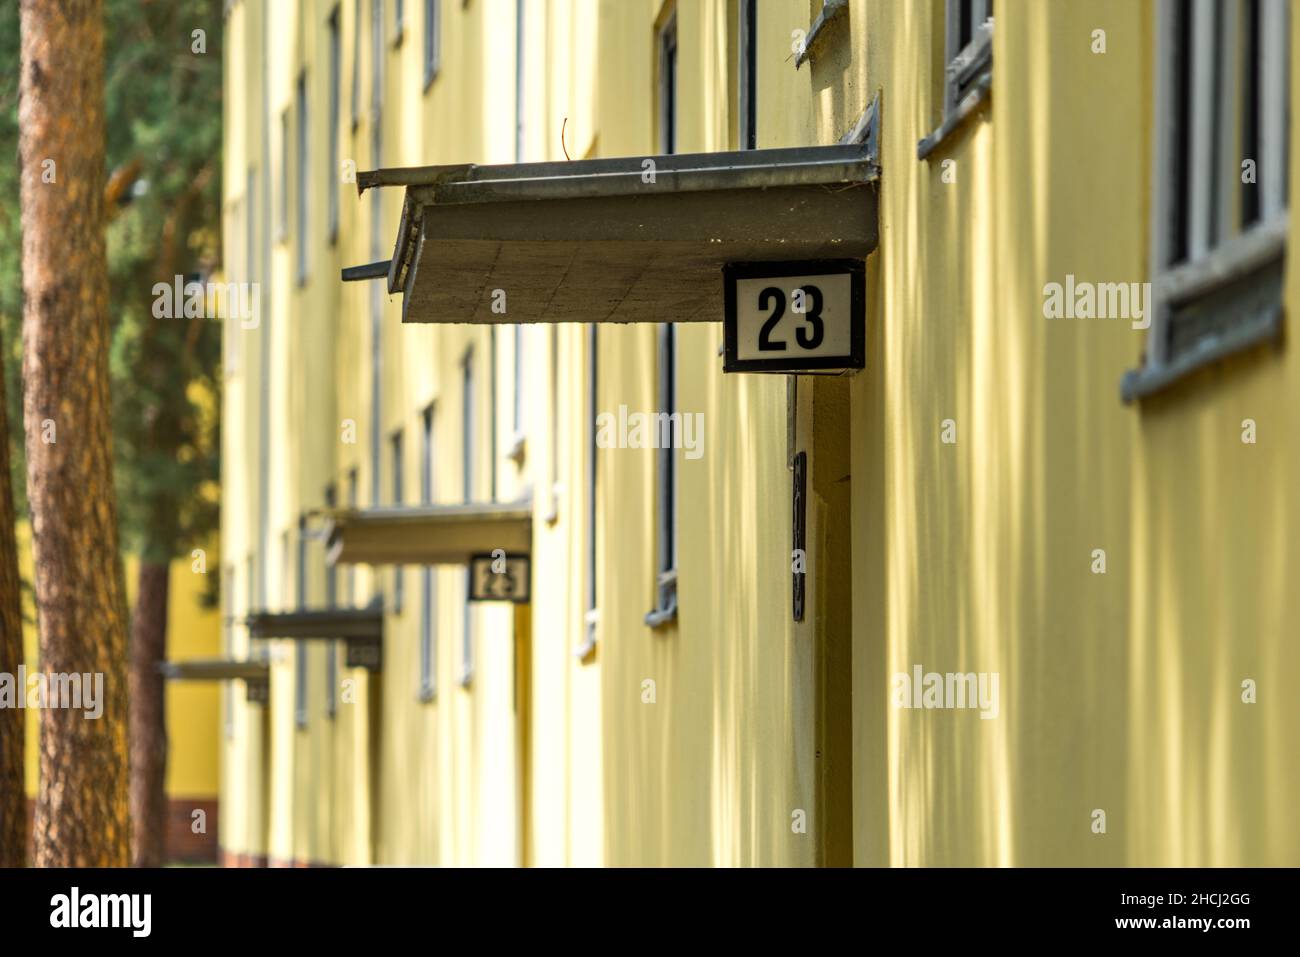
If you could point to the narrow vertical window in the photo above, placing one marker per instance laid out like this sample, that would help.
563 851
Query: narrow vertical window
1219 186
282 200
747 133
668 432
399 21
668 86
227 648
250 227
521 88
591 621
665 609
554 511
969 49
356 64
300 602
967 66
432 39
468 455
354 493
332 146
398 570
304 177
428 609
517 408
331 601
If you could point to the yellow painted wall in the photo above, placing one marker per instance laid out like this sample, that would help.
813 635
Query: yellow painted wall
1120 692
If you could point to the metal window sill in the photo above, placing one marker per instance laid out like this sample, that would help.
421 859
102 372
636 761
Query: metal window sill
831 13
518 450
666 613
970 104
586 650
1148 380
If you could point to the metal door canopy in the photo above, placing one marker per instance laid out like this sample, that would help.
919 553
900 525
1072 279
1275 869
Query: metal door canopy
324 624
636 239
214 669
427 535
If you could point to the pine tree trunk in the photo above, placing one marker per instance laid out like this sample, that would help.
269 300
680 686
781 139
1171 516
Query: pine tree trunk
148 719
13 797
81 806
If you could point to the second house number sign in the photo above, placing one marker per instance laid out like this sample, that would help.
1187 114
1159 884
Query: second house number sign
792 317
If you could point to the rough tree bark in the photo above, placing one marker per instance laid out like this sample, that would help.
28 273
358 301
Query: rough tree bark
148 718
13 798
81 806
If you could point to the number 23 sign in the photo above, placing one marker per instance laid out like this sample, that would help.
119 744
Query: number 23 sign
807 316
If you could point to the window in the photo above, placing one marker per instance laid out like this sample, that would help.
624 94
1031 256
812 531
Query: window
227 648
665 609
304 176
592 619
517 406
428 609
668 86
282 204
666 485
432 40
747 86
467 425
968 49
553 512
300 655
354 482
232 322
468 454
399 21
332 147
1220 193
356 64
250 227
968 65
398 576
521 86
331 601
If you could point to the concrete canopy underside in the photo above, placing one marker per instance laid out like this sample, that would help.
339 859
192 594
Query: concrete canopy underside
598 241
432 535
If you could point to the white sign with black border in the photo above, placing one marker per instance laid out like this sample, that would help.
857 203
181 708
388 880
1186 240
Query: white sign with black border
499 577
793 317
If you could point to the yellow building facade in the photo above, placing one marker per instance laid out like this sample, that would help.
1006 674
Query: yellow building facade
192 711
1093 511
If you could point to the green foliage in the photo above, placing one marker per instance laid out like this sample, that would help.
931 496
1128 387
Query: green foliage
163 139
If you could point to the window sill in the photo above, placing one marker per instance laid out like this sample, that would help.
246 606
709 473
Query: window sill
585 651
518 449
831 14
970 103
1148 380
427 694
666 613
1233 298
429 77
466 679
553 512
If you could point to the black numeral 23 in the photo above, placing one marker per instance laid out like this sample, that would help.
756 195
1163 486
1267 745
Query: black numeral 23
808 337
